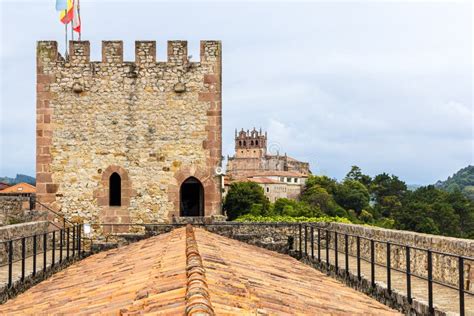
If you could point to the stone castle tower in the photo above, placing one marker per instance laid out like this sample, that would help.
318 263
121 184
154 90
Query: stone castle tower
251 158
129 142
250 144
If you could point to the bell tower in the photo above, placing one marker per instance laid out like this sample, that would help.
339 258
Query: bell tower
250 144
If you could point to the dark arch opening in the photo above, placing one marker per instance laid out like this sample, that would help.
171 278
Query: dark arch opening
192 198
115 190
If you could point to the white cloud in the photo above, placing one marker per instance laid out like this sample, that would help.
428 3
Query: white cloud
387 86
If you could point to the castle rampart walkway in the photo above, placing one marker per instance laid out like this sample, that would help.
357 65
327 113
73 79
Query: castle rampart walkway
150 276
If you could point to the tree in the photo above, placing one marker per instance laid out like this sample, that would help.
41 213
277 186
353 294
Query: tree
387 192
352 195
324 182
295 208
415 218
242 197
464 208
357 175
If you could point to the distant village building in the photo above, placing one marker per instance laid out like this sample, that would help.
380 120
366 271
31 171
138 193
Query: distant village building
22 189
3 185
280 176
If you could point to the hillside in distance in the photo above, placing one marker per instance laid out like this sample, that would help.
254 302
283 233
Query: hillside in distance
19 178
462 180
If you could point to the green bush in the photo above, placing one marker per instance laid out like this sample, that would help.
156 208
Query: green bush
244 198
291 219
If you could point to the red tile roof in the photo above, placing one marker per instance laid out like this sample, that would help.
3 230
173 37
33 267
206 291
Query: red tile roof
263 180
20 188
192 273
280 174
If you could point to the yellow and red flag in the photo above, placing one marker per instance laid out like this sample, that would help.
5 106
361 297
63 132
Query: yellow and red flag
66 16
76 19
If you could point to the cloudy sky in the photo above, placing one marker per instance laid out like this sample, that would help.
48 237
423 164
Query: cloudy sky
383 85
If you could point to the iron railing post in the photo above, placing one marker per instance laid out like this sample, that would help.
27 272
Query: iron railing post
67 243
346 250
336 257
389 276
319 245
461 286
79 239
327 249
359 277
372 263
23 258
408 273
45 249
312 242
299 240
61 231
73 241
53 246
10 263
34 254
430 281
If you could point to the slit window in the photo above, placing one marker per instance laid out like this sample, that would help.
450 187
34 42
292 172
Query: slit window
115 190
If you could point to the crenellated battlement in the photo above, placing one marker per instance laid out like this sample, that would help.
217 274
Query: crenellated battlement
112 52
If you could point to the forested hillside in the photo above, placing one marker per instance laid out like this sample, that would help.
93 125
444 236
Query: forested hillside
463 180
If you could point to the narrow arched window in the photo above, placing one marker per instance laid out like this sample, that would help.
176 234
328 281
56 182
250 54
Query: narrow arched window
245 143
256 142
115 190
251 143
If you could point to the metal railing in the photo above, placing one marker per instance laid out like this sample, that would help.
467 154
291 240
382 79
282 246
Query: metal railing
26 256
61 217
328 239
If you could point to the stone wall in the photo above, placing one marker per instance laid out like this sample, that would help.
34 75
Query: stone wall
275 236
445 268
154 123
12 208
18 231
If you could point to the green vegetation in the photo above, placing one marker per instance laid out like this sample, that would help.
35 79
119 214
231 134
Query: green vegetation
244 198
462 181
290 219
382 201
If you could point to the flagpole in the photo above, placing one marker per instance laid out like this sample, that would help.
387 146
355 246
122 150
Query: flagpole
65 28
79 14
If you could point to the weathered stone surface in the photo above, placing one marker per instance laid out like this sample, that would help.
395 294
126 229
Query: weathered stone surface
445 267
14 209
18 231
127 116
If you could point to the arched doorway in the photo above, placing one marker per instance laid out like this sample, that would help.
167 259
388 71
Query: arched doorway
191 198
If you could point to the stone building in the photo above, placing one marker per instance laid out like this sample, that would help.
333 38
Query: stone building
280 176
129 142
